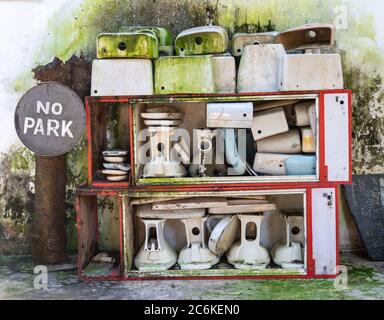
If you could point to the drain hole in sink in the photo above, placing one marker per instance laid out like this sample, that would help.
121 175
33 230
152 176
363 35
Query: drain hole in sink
122 46
199 40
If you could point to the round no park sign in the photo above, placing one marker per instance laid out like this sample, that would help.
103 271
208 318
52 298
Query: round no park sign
50 119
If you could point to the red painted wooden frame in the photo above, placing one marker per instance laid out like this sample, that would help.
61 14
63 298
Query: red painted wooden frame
87 192
97 102
310 271
94 156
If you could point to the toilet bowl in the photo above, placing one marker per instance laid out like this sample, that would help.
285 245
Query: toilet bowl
249 254
195 255
160 163
159 166
155 254
289 253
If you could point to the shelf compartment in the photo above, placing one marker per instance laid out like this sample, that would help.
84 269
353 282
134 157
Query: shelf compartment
319 207
99 220
333 160
108 127
272 231
195 118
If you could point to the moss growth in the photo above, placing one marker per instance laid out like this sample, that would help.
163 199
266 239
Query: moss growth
184 75
16 193
361 283
75 31
22 160
78 33
127 45
108 218
201 43
77 167
213 272
163 35
23 82
64 275
113 120
98 269
368 118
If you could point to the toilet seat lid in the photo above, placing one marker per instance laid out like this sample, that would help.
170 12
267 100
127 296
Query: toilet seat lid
224 235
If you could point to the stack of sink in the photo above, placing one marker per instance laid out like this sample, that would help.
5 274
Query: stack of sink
268 62
275 62
202 64
124 64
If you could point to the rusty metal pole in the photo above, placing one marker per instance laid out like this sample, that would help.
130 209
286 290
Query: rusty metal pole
48 221
48 227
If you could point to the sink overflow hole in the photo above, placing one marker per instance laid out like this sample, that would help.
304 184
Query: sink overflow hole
122 46
199 40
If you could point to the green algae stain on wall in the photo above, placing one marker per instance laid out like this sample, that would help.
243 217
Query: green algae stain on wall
108 218
362 59
248 16
16 200
78 32
75 32
363 67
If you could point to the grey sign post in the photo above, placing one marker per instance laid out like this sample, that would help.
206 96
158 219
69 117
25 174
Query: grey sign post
50 119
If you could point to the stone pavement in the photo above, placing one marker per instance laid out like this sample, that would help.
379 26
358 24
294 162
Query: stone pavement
365 281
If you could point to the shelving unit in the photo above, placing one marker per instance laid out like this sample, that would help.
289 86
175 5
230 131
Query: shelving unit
314 196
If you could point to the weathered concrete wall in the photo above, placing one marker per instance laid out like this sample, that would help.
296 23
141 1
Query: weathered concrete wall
44 29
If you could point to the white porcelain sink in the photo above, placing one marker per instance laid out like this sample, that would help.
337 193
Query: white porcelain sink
310 72
114 77
259 67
